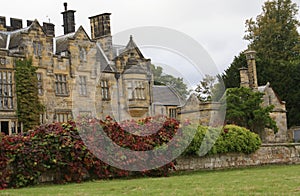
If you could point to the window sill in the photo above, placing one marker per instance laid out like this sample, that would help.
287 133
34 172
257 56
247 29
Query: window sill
62 95
7 110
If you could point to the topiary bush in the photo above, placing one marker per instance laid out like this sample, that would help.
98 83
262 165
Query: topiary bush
230 138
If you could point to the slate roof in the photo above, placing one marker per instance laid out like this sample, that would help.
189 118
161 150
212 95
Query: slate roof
3 40
166 95
62 42
11 39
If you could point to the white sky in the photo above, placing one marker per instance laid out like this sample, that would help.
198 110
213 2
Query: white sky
217 25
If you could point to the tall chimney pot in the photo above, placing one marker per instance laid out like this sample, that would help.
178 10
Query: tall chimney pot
66 6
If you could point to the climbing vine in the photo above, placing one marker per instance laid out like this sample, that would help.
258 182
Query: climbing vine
29 105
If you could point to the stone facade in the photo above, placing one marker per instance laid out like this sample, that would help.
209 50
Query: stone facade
266 154
77 74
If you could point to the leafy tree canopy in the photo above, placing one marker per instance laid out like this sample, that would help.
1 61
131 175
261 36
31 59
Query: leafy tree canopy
210 88
244 109
160 78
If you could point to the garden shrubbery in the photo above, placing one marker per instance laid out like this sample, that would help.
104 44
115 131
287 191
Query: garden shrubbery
59 149
73 152
231 138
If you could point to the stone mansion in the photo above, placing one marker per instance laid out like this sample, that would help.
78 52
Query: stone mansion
79 74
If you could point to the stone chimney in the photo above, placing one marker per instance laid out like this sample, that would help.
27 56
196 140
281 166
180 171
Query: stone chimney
100 30
16 23
100 25
69 20
250 56
244 77
2 23
29 22
49 29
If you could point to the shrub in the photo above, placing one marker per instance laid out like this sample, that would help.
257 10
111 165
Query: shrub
231 138
58 149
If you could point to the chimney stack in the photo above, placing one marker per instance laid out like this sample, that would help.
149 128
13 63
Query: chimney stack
49 28
29 22
250 56
100 29
69 20
244 77
100 25
16 23
3 21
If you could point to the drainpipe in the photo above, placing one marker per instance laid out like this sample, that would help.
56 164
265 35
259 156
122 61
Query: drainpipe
117 76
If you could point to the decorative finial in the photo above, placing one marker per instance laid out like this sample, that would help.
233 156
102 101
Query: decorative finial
131 37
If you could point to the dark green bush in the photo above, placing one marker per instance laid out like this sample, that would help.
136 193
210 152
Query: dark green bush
231 138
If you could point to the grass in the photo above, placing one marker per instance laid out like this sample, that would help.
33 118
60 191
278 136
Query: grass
267 180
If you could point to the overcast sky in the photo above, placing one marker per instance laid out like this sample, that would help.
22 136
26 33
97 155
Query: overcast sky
218 25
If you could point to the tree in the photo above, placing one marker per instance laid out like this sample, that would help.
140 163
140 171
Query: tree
243 108
165 79
274 36
274 33
231 76
210 88
29 106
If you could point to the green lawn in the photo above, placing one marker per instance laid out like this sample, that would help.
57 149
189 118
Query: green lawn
267 180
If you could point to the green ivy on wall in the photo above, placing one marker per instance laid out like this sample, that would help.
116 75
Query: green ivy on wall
29 105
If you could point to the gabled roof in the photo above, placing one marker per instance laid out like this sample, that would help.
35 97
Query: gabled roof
82 30
166 95
132 46
262 89
62 41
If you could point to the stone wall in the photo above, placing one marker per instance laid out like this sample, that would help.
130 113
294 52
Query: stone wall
267 154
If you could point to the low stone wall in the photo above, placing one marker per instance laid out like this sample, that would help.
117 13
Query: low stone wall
267 154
